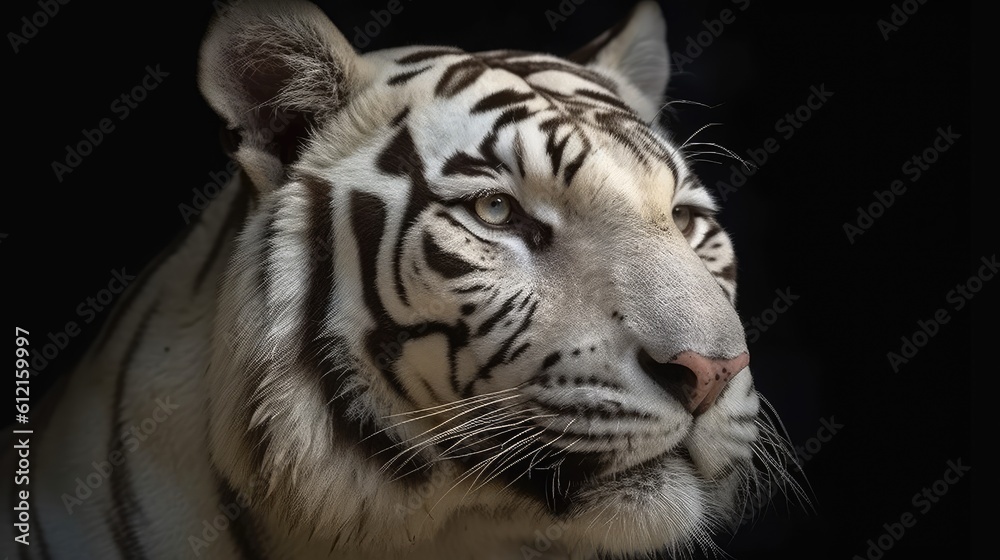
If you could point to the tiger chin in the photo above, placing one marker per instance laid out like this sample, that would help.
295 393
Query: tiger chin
454 305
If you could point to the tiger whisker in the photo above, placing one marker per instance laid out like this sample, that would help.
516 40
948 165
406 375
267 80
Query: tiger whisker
466 411
415 449
481 465
444 453
684 144
746 163
515 457
490 420
450 404
681 101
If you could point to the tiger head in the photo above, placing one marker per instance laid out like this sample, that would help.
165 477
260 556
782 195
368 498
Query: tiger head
478 296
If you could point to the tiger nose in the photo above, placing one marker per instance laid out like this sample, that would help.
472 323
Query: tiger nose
695 380
710 376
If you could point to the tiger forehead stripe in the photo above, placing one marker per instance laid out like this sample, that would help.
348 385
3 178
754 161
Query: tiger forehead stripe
462 73
566 119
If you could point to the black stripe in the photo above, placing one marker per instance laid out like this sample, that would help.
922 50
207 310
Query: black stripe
472 288
729 296
430 390
714 229
315 343
400 157
492 320
572 167
461 163
459 225
606 99
320 266
400 79
554 150
524 302
526 68
235 215
520 349
368 221
448 265
551 360
488 150
511 116
427 54
590 411
497 358
728 272
501 99
743 418
519 154
537 235
323 354
609 124
127 517
398 119
459 76
458 338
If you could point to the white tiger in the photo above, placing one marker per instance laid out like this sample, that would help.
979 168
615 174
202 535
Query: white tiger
457 305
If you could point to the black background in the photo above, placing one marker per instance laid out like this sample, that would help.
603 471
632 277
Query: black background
824 358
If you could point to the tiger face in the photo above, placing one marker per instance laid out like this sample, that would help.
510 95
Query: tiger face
489 281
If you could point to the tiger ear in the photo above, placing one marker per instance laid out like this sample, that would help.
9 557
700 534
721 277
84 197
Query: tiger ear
272 71
634 50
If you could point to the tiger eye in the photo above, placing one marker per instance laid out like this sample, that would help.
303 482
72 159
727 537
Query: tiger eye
683 219
494 209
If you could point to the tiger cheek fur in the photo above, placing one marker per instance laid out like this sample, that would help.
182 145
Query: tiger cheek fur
462 298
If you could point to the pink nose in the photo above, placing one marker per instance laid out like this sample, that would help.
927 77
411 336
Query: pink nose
710 376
